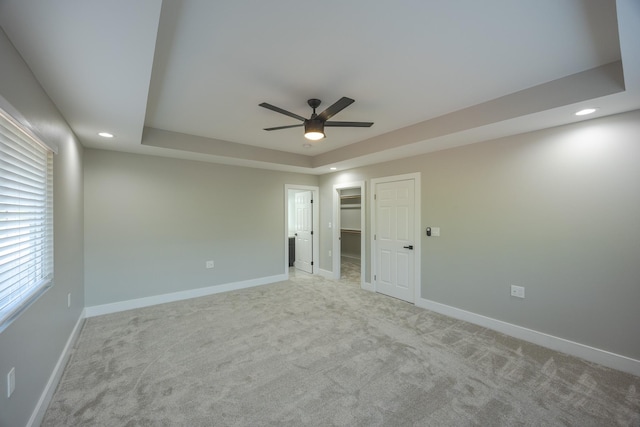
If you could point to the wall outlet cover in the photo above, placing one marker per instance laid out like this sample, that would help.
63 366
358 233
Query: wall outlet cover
517 291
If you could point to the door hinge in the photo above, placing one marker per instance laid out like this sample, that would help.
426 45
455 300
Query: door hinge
311 200
312 233
375 236
311 262
375 197
375 277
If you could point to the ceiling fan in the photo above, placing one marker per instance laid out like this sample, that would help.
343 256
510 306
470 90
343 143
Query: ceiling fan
314 126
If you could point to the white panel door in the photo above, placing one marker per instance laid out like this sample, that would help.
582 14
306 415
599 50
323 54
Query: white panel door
395 210
304 231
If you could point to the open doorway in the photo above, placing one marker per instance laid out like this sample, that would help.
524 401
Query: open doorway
349 232
301 220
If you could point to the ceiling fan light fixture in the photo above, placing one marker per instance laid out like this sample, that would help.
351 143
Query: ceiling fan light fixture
314 126
314 130
314 136
586 111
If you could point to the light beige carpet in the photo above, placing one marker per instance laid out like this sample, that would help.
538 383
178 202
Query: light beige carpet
350 269
311 351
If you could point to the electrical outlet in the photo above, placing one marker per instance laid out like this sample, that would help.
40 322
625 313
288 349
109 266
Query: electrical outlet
209 264
517 291
329 253
11 381
69 300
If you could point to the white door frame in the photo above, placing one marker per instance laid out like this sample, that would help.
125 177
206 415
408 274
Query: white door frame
417 293
303 216
336 229
316 225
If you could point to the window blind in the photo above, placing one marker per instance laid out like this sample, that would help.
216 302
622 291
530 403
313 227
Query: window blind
26 218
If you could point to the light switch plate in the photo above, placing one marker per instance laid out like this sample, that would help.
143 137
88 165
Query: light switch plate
11 381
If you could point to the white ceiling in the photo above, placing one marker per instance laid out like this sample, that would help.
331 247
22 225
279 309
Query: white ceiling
184 78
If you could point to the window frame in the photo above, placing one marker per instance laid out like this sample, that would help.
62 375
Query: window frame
26 249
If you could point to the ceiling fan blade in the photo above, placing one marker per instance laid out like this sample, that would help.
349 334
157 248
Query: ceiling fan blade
284 127
334 109
281 111
349 124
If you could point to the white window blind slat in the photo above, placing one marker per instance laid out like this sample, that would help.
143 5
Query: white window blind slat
18 180
18 159
16 253
16 153
26 218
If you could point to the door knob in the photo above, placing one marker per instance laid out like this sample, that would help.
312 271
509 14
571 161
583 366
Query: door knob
408 247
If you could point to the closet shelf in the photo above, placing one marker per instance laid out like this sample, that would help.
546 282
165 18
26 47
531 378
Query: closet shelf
350 206
346 197
350 230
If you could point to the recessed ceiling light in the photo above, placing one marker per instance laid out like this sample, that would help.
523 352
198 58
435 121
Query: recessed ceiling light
333 169
105 134
586 111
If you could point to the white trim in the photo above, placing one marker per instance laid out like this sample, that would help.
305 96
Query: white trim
367 286
592 354
329 275
325 273
13 115
336 255
417 245
316 225
98 310
45 398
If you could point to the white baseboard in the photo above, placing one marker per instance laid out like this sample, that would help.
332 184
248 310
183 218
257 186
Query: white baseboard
325 273
592 354
99 310
45 398
368 287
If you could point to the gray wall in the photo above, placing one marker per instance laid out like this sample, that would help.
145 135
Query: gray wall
556 211
34 342
151 224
